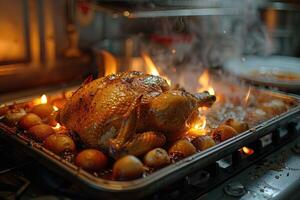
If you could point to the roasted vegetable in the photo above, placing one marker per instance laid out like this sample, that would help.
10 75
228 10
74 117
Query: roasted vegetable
203 142
13 117
59 143
127 168
42 110
91 160
157 158
29 120
40 132
181 149
223 132
237 125
118 109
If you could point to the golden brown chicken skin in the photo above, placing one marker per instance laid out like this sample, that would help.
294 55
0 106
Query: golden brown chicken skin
129 113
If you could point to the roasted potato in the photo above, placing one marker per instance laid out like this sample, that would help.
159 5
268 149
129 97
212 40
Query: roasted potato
157 158
182 148
14 117
237 125
91 160
29 120
40 132
223 132
203 142
42 110
127 168
59 143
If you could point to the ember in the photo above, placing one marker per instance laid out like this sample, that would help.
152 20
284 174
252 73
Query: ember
198 128
55 108
110 63
248 151
57 126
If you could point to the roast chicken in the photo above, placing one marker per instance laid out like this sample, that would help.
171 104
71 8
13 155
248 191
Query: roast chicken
130 112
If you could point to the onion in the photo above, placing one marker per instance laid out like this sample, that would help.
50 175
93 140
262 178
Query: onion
59 143
29 120
91 160
182 148
127 168
40 132
157 158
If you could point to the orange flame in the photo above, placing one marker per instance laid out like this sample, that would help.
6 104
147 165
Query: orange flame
110 63
211 91
57 126
247 95
201 124
44 99
55 108
205 83
151 68
247 151
198 128
204 79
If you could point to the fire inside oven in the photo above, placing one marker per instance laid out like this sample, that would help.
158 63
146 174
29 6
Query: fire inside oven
234 111
152 117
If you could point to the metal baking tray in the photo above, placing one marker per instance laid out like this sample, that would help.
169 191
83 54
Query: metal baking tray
99 187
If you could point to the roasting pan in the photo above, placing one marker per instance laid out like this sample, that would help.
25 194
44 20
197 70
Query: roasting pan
98 187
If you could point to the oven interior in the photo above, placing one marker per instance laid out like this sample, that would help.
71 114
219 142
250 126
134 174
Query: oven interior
52 47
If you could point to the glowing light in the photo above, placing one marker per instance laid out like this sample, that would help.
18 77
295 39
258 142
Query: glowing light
198 128
203 80
247 95
211 91
205 83
247 151
110 63
151 68
57 126
201 124
44 99
126 13
55 108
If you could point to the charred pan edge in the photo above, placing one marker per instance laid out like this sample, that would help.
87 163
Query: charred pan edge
143 186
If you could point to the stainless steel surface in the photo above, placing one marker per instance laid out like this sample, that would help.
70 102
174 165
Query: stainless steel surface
165 12
144 186
281 20
235 189
275 177
155 9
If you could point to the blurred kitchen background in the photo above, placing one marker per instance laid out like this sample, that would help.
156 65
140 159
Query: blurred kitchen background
53 44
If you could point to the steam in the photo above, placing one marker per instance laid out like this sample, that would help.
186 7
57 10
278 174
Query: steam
197 42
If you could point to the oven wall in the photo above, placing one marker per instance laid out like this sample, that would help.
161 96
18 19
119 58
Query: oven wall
39 45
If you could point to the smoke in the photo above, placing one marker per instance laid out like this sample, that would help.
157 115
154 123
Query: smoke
184 46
